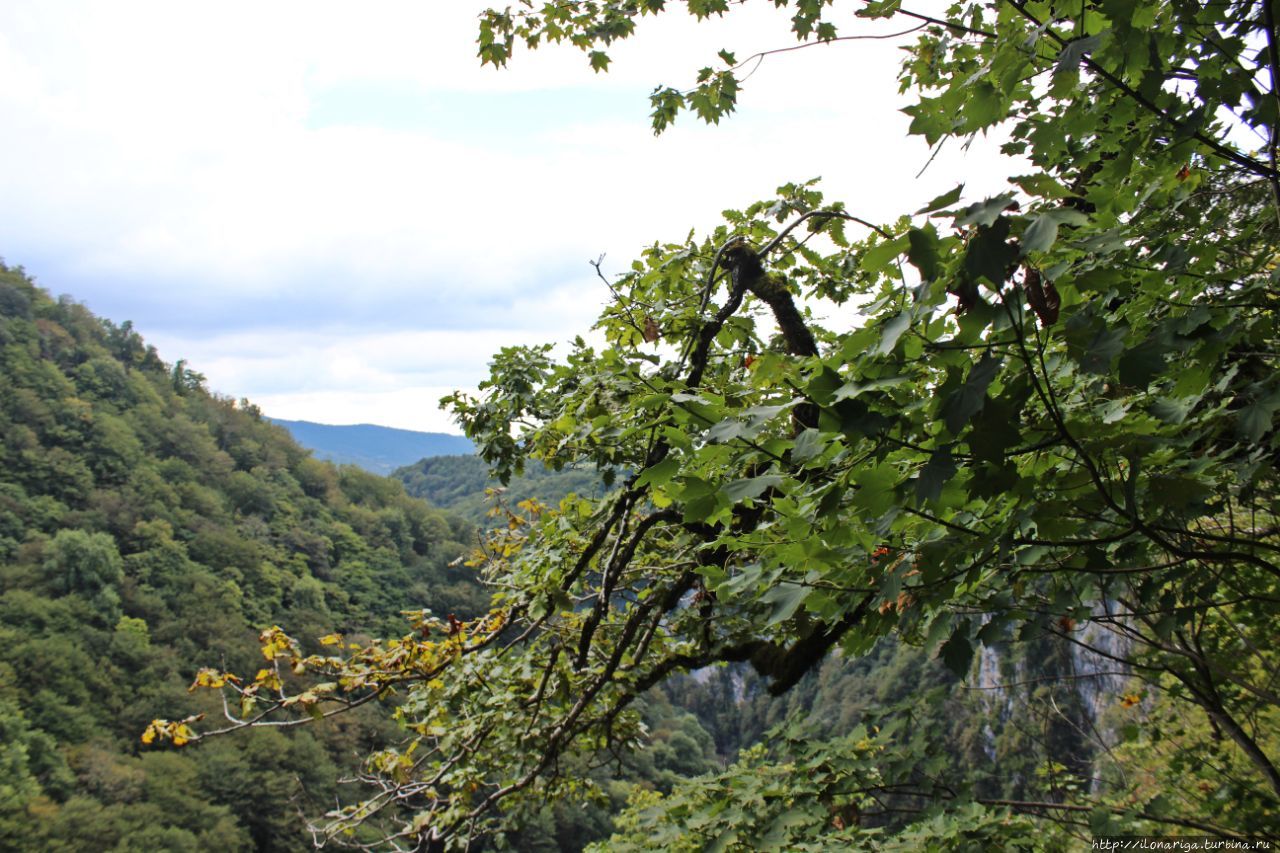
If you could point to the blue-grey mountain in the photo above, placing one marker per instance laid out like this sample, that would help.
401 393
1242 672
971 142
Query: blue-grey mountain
377 449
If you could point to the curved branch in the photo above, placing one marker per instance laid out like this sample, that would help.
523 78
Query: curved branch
825 214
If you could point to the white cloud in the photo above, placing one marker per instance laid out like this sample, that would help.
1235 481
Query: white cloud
405 407
354 376
164 162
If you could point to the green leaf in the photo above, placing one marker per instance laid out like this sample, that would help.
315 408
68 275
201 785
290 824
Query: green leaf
667 104
785 599
966 401
984 212
1183 492
855 419
1075 51
699 498
1040 235
995 430
757 417
659 474
1043 230
881 255
1143 363
1106 345
1256 420
726 430
876 488
940 468
957 652
747 423
879 9
751 487
852 389
746 578
992 633
891 331
1173 410
778 833
945 200
809 444
937 630
990 255
983 106
993 480
723 840
923 253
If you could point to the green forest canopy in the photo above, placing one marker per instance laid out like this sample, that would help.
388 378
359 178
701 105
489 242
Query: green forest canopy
1053 430
463 485
148 527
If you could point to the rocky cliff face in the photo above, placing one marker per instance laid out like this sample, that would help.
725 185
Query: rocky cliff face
1050 697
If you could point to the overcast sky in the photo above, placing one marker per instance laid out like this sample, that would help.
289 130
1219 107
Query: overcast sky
330 208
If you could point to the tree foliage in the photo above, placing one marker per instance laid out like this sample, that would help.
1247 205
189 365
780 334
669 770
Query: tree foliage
1052 429
148 527
461 485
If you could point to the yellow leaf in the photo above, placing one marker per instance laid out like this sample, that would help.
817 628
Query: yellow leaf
208 678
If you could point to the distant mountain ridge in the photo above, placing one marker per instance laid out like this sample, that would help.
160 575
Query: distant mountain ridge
377 449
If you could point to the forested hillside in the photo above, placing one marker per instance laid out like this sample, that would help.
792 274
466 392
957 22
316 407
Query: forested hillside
147 528
459 484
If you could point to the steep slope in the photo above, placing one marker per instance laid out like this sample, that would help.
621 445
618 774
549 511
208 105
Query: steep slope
458 484
377 449
148 527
